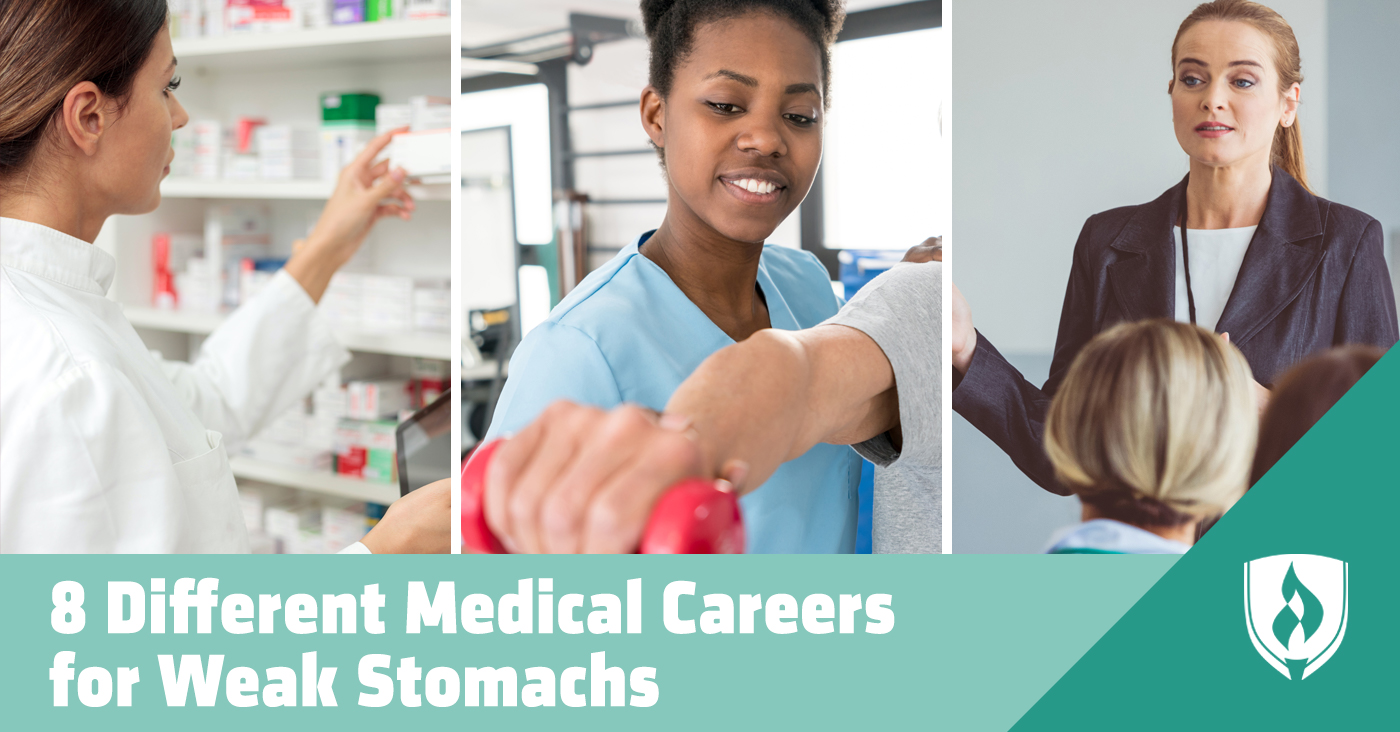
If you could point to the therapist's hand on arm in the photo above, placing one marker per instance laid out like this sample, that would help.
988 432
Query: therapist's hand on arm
418 523
365 193
931 250
964 336
580 479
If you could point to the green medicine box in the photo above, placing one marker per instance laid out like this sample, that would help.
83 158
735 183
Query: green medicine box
358 106
381 466
378 10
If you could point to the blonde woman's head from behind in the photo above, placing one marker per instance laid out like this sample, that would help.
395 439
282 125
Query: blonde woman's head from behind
1155 424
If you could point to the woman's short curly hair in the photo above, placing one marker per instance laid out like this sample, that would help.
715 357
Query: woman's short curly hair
670 27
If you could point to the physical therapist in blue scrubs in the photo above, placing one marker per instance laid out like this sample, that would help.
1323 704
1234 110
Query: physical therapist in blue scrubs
735 108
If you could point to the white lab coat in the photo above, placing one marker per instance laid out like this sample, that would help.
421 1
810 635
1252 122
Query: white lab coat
105 446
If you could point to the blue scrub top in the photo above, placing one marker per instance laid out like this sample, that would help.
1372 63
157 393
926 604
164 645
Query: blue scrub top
628 334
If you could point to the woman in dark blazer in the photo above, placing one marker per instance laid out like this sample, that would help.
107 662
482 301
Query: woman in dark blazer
1313 276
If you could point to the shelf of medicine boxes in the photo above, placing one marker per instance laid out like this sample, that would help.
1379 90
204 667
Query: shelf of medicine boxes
422 345
428 39
300 190
482 371
316 481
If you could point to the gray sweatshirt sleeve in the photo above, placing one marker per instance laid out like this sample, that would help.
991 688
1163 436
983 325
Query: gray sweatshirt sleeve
901 311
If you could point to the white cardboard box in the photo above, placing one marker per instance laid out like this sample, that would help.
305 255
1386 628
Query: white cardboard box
425 155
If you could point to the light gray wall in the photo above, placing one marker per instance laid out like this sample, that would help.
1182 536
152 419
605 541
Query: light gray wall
1061 111
1364 137
996 509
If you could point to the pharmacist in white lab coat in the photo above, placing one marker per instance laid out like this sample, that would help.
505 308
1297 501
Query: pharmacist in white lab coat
104 446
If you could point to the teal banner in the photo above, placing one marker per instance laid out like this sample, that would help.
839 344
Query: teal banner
944 642
1277 619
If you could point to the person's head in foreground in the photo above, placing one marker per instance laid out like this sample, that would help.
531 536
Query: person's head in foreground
1154 429
1303 395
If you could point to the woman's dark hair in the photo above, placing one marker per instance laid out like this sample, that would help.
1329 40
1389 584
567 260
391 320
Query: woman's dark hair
670 27
49 46
1303 395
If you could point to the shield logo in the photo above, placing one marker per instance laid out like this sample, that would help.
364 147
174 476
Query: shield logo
1295 608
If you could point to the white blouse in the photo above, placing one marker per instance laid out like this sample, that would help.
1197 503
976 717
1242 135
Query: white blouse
1216 256
106 447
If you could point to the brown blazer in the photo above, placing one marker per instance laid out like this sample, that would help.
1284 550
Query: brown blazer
1314 277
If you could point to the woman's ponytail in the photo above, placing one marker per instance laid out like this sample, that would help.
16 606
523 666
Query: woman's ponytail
1288 152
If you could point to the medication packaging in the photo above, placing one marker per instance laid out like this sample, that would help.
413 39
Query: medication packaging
283 442
426 156
233 232
428 9
369 303
425 151
432 307
200 287
282 521
347 11
170 255
366 450
186 18
286 522
429 113
208 147
430 379
213 16
377 399
261 16
288 153
347 125
391 117
377 10
387 304
240 159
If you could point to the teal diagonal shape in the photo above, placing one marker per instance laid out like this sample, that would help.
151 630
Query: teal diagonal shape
1182 654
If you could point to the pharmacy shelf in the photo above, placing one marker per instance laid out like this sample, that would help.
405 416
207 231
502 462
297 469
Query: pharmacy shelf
301 190
414 344
484 371
421 345
304 190
318 481
360 43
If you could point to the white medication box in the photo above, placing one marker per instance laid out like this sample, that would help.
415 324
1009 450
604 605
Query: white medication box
378 399
426 156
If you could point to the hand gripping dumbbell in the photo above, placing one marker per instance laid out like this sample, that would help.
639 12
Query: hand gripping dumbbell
691 517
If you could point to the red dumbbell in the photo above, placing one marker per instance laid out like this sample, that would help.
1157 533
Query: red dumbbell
692 517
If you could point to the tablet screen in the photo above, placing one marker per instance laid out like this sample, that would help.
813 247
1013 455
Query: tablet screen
424 445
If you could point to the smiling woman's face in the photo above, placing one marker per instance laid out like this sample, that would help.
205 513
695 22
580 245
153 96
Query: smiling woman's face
1226 101
742 126
136 151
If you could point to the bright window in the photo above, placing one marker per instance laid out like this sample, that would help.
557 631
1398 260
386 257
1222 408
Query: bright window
525 110
886 166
